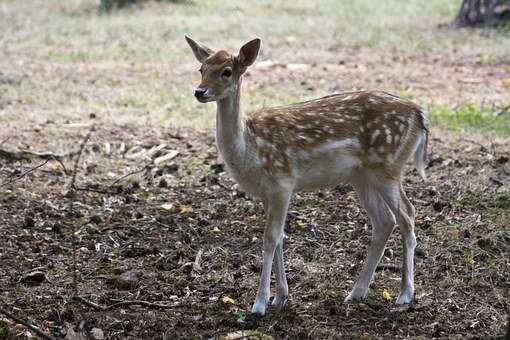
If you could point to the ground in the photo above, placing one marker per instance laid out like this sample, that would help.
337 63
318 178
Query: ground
189 239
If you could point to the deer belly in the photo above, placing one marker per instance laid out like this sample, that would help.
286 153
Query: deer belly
325 171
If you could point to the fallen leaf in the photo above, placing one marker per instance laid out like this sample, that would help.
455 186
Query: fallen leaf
165 158
301 224
156 149
73 335
216 230
167 206
246 335
386 295
186 209
97 333
228 300
297 67
135 152
506 83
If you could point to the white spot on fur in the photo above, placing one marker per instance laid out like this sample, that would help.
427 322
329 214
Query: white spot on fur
350 143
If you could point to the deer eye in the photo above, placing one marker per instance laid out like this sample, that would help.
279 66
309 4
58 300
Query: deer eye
226 72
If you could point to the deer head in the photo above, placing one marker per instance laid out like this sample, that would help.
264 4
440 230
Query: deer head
221 71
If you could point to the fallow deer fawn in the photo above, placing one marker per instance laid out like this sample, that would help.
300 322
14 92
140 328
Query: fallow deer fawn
362 138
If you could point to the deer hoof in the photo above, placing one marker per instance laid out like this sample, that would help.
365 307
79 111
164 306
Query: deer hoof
279 302
355 295
258 310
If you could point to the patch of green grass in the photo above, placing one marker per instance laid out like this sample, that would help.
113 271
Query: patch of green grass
470 118
482 201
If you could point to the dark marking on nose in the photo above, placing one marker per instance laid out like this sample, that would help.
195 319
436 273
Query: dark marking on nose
199 92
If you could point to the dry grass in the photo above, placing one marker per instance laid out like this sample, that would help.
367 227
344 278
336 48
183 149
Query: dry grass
62 60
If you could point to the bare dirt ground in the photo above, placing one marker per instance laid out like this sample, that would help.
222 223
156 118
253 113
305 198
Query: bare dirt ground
159 94
192 240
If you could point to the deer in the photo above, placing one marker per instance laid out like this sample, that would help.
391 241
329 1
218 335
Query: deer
361 138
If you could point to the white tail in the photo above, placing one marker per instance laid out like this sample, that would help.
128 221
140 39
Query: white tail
362 138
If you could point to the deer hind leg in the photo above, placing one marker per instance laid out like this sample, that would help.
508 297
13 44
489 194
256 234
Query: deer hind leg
383 222
396 199
277 205
282 288
405 220
407 204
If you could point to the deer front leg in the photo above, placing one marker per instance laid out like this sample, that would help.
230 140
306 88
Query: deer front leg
282 288
276 207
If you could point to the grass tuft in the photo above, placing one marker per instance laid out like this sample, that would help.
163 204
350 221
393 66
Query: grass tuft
471 118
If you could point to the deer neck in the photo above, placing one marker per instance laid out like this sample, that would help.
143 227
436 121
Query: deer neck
230 128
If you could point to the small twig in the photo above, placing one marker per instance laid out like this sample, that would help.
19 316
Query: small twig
75 269
196 264
5 140
127 175
139 303
88 303
111 192
482 147
500 112
80 151
26 324
24 174
89 189
77 162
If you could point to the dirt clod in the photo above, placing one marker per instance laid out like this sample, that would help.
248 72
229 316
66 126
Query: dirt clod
127 280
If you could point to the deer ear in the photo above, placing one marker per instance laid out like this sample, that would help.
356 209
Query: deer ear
201 52
249 52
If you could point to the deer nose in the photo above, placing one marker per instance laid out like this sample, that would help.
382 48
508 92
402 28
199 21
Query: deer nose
199 93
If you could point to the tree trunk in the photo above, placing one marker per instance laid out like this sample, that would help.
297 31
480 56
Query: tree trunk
107 5
482 13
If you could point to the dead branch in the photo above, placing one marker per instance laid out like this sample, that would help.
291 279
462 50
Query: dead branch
12 180
25 155
26 324
122 304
